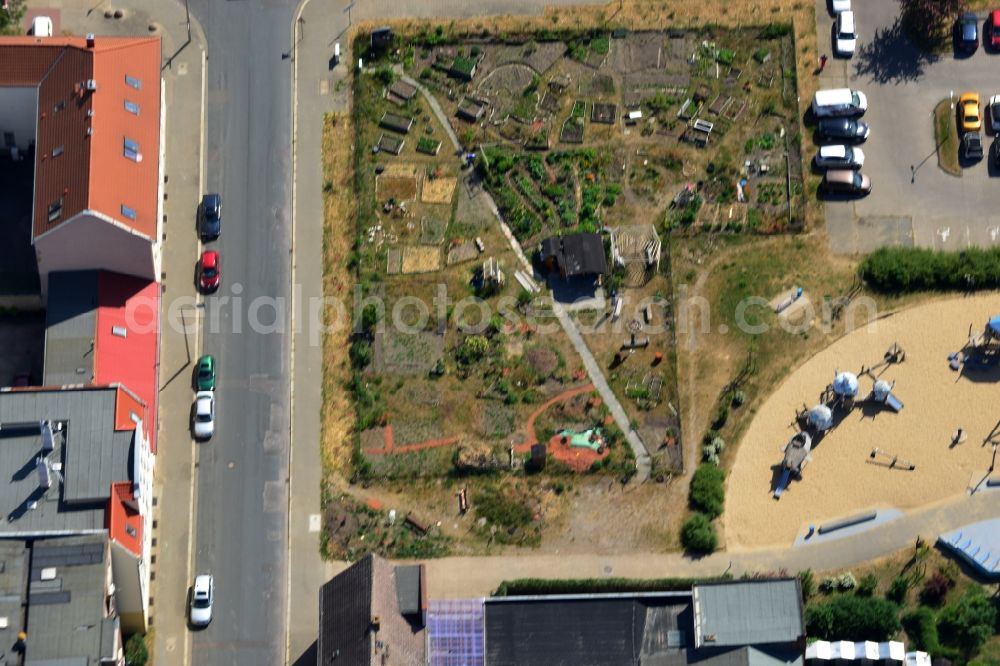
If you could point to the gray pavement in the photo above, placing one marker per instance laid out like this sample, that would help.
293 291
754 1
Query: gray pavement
242 485
912 200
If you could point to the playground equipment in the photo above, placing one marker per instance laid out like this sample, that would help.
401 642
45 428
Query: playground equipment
820 418
881 457
796 456
882 394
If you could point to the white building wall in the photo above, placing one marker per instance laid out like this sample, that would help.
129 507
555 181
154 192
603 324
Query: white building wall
89 242
18 111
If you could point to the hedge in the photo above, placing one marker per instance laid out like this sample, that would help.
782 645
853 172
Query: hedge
853 618
698 535
538 586
708 492
906 269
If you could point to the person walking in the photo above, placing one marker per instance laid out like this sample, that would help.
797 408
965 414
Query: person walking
822 62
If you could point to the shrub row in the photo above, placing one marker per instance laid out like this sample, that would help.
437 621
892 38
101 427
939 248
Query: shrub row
899 269
536 586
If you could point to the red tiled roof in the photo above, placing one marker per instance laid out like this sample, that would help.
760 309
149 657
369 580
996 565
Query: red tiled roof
134 305
123 521
92 173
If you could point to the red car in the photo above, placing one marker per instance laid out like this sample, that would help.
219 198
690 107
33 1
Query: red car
209 274
994 24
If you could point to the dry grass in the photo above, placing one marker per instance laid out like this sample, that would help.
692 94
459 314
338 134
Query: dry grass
400 188
337 416
421 259
946 138
438 190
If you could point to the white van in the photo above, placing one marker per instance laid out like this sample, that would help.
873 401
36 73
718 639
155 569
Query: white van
839 102
41 26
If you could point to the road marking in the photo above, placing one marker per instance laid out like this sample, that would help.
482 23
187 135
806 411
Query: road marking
315 522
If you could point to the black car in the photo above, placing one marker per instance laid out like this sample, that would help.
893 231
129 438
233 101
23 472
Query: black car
972 146
967 33
210 217
995 152
843 129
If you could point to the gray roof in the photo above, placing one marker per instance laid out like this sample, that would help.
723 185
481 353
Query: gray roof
408 589
13 584
70 323
576 254
92 454
755 612
67 619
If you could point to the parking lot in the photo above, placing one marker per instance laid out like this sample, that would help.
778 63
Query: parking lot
912 200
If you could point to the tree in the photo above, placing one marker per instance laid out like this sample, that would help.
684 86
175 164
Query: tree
927 21
136 653
698 535
708 492
10 18
853 618
969 622
473 348
935 589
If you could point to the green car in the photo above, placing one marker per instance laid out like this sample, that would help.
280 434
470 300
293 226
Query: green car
205 373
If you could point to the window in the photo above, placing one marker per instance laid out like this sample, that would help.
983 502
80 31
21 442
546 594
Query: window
132 150
57 151
55 210
60 105
134 82
132 107
128 212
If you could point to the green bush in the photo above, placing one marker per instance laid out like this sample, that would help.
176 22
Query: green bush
867 585
361 354
501 509
546 586
898 589
921 627
900 270
808 584
136 653
853 618
708 491
698 535
969 622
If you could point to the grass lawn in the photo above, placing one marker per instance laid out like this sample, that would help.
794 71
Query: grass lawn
946 138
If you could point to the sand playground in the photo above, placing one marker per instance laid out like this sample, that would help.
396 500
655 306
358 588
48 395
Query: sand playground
842 479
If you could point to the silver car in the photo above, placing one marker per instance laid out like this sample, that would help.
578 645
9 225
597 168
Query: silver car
203 420
202 599
840 157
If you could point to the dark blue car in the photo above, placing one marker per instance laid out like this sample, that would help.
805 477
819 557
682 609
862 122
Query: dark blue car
210 217
967 33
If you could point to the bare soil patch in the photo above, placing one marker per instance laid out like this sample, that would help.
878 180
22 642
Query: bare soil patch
418 259
438 190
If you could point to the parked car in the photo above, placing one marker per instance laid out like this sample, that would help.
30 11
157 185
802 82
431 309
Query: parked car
846 36
995 152
840 157
202 599
836 102
204 415
205 373
843 129
995 112
969 117
972 146
209 271
967 33
993 28
841 6
845 181
210 217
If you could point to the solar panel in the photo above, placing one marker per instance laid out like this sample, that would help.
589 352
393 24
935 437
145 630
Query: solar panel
456 632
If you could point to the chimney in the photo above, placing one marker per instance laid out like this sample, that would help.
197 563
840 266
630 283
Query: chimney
90 40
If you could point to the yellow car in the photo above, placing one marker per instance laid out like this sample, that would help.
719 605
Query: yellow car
969 117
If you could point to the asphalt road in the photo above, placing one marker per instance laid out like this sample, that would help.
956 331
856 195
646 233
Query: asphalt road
242 506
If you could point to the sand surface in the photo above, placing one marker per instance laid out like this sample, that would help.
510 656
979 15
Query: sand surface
841 479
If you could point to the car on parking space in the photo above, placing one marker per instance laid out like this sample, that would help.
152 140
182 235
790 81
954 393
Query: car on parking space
970 119
995 112
967 33
841 6
972 146
210 217
995 152
836 102
202 600
205 373
843 129
846 181
209 271
993 28
846 35
203 419
840 157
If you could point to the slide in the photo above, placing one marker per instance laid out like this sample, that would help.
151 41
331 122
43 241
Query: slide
782 483
893 403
